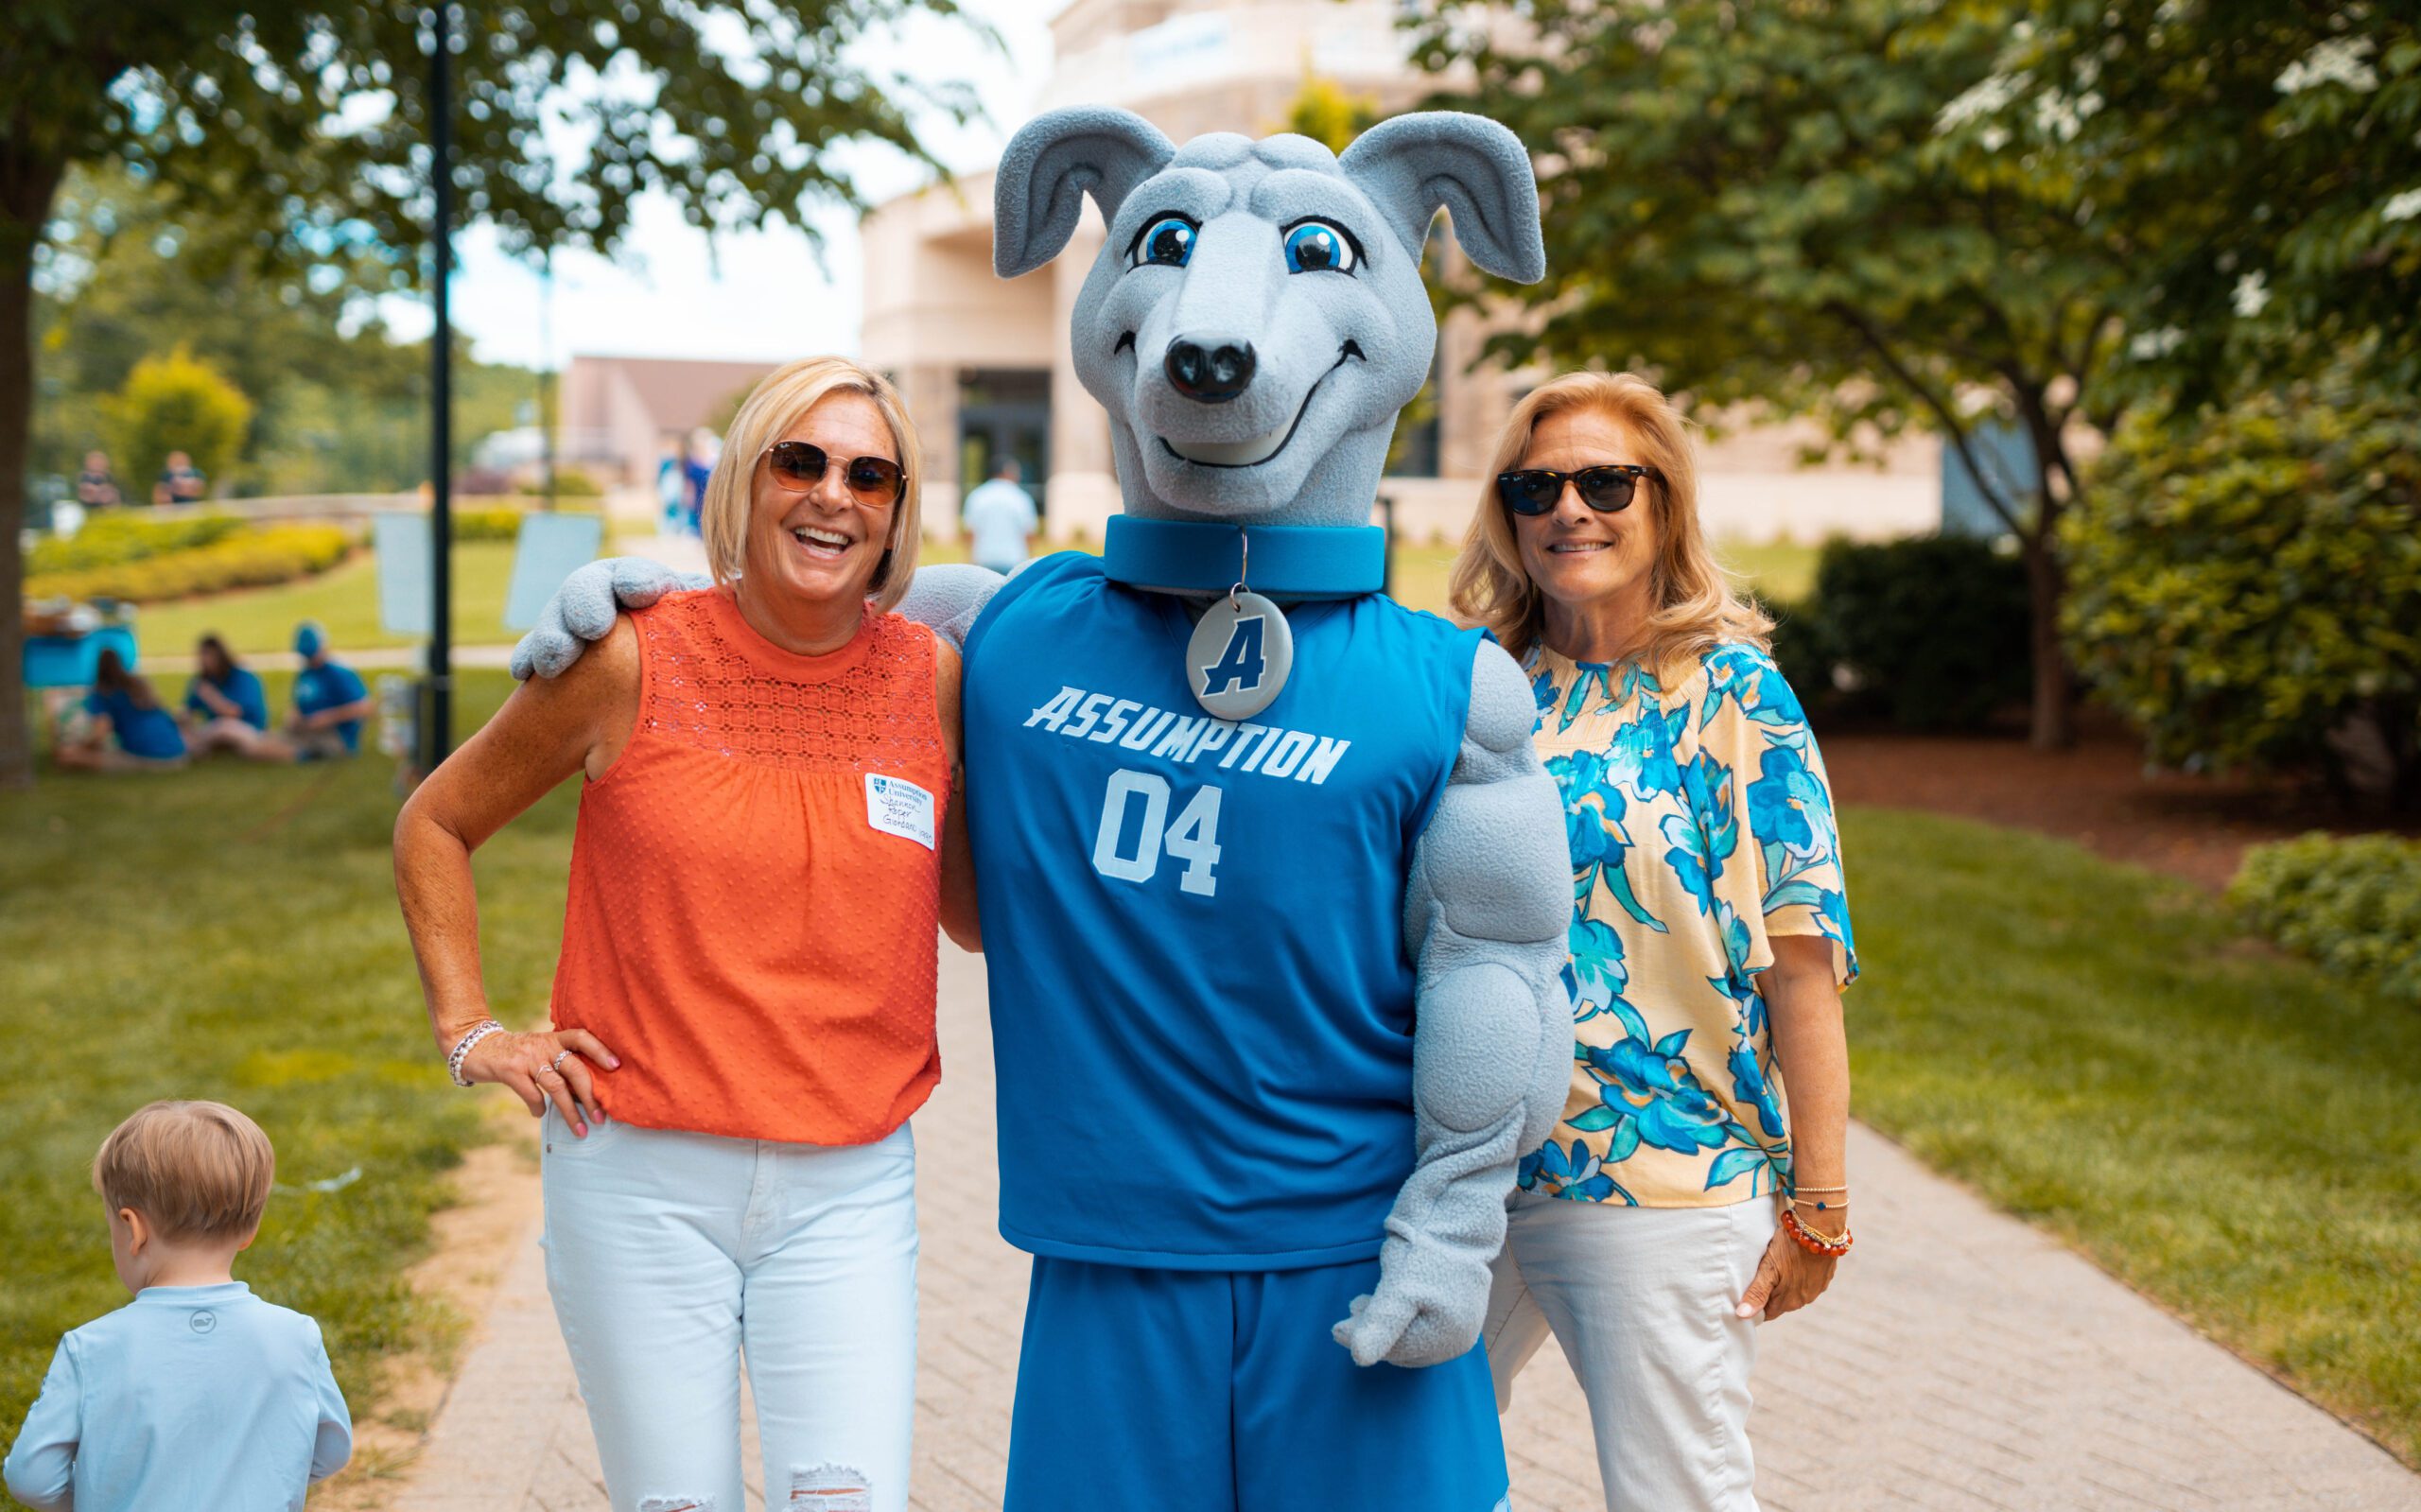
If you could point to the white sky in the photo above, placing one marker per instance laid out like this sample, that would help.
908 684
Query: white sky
756 294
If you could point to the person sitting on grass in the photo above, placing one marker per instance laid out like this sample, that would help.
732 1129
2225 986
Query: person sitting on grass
330 700
225 709
127 731
197 1393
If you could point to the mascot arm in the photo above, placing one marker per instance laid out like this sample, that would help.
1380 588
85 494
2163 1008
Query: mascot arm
1485 918
582 610
950 597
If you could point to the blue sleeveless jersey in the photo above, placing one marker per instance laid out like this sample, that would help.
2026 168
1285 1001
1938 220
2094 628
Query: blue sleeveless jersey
1201 1000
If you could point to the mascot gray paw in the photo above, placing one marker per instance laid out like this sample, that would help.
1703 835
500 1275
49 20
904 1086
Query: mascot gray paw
1427 1311
583 609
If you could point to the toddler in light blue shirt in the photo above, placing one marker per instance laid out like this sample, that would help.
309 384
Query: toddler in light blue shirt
197 1393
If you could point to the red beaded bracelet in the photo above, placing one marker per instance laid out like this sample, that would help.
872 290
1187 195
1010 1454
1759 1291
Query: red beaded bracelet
1815 1244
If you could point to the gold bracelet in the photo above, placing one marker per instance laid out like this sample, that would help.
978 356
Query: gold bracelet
1838 1205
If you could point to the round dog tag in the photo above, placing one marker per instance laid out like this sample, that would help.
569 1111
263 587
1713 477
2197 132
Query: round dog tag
1240 655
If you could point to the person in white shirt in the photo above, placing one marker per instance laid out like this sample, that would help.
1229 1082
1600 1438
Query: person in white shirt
1000 521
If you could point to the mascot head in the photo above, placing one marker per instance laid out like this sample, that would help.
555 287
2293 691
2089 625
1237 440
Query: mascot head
1257 315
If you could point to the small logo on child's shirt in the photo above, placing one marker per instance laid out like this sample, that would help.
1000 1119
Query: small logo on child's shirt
203 1321
899 807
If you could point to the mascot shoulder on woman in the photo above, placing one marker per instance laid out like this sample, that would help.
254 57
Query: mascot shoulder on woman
1271 879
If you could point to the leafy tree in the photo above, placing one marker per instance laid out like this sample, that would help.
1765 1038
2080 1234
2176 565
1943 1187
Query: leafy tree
2247 585
308 122
1775 204
2282 140
126 275
176 404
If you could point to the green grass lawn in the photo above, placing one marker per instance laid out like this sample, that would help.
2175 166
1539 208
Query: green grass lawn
2096 1049
231 932
345 599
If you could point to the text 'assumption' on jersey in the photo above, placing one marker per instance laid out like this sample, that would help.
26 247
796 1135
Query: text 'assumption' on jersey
1262 750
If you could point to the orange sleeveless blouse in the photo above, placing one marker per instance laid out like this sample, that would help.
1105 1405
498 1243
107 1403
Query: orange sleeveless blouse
760 955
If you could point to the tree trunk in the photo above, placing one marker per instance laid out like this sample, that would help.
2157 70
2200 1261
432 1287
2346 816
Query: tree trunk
26 190
2054 725
2054 717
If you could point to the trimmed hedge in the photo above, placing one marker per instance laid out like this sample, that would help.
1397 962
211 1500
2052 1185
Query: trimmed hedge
2353 905
1929 631
251 559
113 540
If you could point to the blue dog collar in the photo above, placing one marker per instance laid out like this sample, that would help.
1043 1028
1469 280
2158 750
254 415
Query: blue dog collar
1288 561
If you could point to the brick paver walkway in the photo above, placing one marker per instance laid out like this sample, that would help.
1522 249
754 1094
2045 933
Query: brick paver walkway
1963 1363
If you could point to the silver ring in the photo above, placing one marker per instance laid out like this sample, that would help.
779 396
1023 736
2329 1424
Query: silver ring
557 1064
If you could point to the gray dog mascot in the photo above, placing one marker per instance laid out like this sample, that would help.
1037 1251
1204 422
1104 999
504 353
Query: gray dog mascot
1273 888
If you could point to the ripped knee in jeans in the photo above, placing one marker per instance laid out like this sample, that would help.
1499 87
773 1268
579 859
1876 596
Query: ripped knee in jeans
677 1504
829 1489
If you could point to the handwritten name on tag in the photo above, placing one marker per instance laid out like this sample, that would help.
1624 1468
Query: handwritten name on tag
899 807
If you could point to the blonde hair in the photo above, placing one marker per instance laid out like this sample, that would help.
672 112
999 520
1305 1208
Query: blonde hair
773 406
1697 606
192 1170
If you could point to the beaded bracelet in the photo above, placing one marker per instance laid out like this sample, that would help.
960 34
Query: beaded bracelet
1836 1205
1815 1244
461 1049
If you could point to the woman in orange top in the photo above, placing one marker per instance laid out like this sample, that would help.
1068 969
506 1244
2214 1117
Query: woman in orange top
743 1017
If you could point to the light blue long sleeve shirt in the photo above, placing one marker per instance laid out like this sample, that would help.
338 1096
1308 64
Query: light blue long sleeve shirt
187 1396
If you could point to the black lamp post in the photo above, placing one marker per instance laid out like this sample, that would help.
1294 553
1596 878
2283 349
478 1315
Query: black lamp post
437 727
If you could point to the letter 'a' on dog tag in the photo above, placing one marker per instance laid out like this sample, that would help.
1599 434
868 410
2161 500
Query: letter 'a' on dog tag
1239 656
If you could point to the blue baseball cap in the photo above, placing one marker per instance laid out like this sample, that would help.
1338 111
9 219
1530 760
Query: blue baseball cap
309 639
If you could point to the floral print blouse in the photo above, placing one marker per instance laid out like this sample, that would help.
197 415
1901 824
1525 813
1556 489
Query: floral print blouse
1701 825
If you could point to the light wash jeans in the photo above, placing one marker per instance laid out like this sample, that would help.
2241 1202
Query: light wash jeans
1641 1300
669 1254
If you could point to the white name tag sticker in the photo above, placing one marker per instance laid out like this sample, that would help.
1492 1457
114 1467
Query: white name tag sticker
899 807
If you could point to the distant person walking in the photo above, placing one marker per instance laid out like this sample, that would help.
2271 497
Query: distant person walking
1000 520
128 730
96 486
225 709
330 700
181 482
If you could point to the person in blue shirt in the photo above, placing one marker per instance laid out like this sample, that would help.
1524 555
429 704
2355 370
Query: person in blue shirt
225 709
128 730
197 1394
330 700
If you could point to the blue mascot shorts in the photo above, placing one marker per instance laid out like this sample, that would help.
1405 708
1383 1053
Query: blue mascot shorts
1209 1391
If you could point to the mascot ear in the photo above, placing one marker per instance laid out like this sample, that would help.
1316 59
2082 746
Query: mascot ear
1474 168
1053 162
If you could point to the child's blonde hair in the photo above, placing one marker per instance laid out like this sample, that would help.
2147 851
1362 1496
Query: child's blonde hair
192 1170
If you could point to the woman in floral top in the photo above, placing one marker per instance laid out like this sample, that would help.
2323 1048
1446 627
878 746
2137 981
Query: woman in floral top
1710 941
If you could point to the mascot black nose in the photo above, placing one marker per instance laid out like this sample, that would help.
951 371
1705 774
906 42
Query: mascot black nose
1212 374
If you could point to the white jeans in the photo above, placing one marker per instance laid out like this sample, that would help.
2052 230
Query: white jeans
1641 1300
668 1254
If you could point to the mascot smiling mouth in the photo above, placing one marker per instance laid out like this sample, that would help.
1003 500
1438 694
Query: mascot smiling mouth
1255 450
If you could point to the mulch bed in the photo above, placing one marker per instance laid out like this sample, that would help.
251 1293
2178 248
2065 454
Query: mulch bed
2098 793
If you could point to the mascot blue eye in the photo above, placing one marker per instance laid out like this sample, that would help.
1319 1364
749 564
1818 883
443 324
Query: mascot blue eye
1316 246
1167 242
